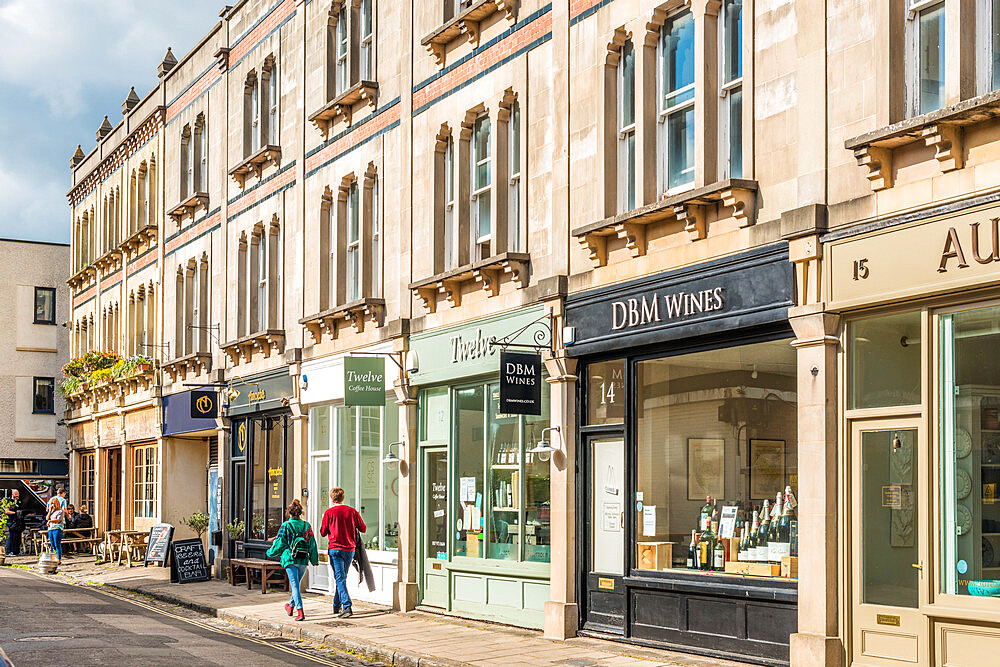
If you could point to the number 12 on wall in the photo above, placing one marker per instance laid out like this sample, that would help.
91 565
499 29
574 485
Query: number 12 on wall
861 268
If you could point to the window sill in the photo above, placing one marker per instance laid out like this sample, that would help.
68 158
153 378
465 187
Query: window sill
488 272
466 23
189 207
82 278
265 342
45 322
194 364
354 313
255 164
43 412
343 105
941 129
688 207
145 235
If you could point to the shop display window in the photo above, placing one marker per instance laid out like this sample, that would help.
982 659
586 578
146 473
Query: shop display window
970 452
716 461
144 473
87 480
885 361
270 486
606 392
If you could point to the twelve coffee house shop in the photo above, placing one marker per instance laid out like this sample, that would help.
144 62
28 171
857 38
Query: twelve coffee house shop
687 446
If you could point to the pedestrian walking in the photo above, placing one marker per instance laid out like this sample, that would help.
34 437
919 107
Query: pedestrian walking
55 520
297 545
341 524
15 524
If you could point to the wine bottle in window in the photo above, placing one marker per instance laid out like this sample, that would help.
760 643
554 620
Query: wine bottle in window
706 514
693 559
762 532
773 552
719 553
706 546
784 539
752 540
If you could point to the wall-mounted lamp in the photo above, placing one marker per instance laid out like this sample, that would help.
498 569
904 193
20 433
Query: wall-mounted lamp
544 449
305 492
390 456
412 362
906 341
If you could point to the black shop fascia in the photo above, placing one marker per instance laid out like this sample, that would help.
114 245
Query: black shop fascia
686 390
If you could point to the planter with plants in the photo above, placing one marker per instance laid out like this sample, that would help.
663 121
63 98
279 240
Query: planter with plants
236 529
4 504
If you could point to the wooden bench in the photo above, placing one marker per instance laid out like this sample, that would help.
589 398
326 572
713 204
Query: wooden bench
87 536
245 569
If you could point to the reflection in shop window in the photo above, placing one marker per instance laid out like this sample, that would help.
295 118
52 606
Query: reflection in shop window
885 361
719 425
970 452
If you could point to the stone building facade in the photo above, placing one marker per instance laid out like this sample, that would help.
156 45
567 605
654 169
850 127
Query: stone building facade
653 195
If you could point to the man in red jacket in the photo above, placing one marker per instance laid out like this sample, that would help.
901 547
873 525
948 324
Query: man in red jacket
341 523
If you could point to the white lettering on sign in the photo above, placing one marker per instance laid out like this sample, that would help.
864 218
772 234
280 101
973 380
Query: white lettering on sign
368 376
640 311
523 374
467 350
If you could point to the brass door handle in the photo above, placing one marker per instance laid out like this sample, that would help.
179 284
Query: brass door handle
918 566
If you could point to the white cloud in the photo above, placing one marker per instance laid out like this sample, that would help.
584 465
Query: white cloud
38 209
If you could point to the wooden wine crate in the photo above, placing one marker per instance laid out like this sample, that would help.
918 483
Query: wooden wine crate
654 555
753 569
790 567
472 545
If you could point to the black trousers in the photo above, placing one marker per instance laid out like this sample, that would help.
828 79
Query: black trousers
14 541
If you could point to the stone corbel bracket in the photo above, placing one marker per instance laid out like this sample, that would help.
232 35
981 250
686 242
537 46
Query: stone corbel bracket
597 249
878 162
694 218
428 296
743 203
489 278
946 140
634 235
452 290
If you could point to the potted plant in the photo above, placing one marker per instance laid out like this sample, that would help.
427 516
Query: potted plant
4 504
236 530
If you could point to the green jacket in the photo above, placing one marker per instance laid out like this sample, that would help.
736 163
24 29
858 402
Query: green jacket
287 534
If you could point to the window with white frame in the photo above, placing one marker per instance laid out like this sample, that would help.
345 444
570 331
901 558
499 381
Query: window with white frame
202 137
187 163
144 473
254 101
193 332
626 128
676 120
342 49
482 179
272 104
450 261
367 45
376 240
987 46
261 286
149 182
731 88
514 178
353 243
925 77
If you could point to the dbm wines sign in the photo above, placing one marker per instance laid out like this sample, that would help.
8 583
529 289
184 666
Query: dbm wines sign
746 290
520 383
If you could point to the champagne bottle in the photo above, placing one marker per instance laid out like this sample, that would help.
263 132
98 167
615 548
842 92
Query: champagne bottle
741 533
692 559
719 553
784 544
752 540
706 514
773 553
741 551
762 531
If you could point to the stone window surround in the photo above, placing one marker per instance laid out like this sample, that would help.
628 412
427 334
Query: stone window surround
193 160
141 333
467 22
268 149
252 338
112 325
190 332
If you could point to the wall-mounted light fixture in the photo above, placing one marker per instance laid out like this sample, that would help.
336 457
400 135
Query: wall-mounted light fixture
544 449
390 456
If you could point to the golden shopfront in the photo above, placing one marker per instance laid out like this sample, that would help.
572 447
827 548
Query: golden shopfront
918 299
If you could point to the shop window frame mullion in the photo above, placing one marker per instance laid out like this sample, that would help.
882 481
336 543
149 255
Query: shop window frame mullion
630 456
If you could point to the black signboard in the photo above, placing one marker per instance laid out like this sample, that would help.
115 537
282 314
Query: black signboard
520 383
159 544
187 561
204 404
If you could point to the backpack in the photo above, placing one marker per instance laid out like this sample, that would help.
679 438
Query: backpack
299 545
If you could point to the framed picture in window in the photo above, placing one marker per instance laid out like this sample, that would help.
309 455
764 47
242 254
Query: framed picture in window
706 470
767 468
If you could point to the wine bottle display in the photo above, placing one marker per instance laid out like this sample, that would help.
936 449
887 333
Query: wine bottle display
692 559
773 553
783 543
762 531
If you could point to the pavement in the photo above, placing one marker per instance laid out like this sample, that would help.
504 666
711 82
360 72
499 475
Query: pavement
374 632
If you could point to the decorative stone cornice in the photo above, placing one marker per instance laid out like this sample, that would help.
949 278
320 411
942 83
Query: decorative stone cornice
189 206
255 164
343 106
488 273
265 343
467 22
355 314
190 364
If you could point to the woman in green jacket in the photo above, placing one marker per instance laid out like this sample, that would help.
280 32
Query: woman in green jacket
297 545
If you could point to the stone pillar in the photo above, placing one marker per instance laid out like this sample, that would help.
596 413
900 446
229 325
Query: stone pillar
405 590
819 640
561 611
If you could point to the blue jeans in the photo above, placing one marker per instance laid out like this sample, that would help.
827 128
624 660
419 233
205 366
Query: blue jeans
295 574
55 541
340 561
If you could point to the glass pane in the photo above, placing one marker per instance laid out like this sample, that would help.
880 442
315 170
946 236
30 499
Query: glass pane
370 446
390 480
353 274
482 138
482 174
352 214
345 475
607 511
627 83
677 51
889 517
970 433
483 214
319 502
931 59
680 147
434 414
736 133
470 408
45 305
258 477
630 171
606 392
732 17
720 425
275 478
240 495
515 139
995 43
505 481
537 496
319 439
885 361
436 505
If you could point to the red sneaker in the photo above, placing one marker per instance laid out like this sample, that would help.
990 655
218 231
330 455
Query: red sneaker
299 615
288 608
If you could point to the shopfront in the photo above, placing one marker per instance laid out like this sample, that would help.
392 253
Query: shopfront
347 445
688 391
920 471
483 497
261 455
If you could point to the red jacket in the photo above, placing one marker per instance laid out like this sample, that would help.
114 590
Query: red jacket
340 524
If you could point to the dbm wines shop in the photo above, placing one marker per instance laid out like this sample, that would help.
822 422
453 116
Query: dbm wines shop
688 457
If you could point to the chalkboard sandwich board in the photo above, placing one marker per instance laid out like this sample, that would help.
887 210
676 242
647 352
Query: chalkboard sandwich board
158 544
187 562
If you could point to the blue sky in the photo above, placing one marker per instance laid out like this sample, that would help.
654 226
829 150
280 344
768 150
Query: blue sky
64 64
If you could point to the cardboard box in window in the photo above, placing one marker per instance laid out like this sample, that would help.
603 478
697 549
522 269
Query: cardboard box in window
753 569
790 567
654 555
472 545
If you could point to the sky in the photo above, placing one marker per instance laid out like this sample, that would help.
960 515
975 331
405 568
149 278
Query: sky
64 65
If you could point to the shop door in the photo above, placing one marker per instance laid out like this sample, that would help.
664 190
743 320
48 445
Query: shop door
605 589
888 505
115 489
319 482
434 492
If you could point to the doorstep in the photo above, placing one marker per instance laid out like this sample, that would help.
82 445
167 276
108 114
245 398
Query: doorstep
377 632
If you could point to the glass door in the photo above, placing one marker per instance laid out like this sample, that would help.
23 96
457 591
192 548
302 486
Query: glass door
115 489
888 501
434 541
319 485
605 587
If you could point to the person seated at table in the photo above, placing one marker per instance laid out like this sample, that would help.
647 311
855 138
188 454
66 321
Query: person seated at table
70 517
84 520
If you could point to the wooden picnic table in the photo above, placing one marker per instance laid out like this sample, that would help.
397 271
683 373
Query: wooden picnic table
271 573
86 536
127 544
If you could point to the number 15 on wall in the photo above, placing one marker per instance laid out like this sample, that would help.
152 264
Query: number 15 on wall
861 269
